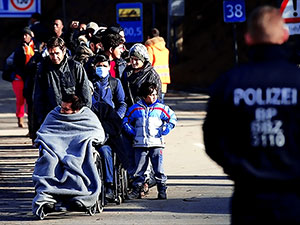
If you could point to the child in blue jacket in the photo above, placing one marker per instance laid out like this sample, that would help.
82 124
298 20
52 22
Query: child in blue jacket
147 122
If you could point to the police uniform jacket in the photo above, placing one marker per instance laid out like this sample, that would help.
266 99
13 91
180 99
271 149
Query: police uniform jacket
252 128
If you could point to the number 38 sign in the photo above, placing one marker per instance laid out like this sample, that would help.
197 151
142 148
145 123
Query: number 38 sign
234 11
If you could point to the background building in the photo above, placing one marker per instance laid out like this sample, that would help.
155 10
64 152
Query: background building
200 42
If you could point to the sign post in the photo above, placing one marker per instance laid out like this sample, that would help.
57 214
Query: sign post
130 17
19 8
234 12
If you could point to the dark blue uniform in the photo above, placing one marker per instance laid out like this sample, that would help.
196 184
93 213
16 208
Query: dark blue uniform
252 130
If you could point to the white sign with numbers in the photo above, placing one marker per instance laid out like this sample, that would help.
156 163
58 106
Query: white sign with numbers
19 8
234 11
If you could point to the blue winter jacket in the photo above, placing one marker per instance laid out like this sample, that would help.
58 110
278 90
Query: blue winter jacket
149 123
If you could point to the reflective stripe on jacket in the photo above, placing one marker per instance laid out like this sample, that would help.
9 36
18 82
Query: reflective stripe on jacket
159 57
148 122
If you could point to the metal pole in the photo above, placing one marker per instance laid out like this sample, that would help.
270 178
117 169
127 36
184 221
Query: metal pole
169 24
64 12
236 57
153 15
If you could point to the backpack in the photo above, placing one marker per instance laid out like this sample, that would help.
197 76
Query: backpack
113 83
8 69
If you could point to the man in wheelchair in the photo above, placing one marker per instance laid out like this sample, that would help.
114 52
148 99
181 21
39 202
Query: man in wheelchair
112 125
66 167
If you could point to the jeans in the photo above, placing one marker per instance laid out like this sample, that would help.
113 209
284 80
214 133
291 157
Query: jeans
130 154
142 156
106 153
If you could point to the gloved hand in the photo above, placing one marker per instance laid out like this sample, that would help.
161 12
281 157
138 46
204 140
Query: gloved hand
168 128
129 129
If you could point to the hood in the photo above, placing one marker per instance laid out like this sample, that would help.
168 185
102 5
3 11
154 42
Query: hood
156 42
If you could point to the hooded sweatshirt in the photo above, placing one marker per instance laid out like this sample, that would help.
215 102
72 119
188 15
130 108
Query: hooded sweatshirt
159 58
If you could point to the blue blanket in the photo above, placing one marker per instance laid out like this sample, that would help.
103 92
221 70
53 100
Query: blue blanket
66 166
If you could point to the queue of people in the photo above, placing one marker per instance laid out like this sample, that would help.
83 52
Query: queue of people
91 61
251 128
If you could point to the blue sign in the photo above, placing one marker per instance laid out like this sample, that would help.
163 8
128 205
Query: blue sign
234 11
130 17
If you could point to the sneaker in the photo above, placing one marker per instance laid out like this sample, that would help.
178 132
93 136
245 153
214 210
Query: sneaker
162 191
48 207
109 194
76 206
162 195
135 193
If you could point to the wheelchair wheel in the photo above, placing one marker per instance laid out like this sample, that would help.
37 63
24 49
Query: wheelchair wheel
101 200
92 210
41 214
99 206
44 210
124 184
119 200
117 184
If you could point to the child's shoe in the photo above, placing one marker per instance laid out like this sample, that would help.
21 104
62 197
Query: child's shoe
162 191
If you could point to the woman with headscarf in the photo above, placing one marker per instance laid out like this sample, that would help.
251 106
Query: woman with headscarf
137 72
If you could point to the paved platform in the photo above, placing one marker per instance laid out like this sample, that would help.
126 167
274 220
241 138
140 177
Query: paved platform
198 190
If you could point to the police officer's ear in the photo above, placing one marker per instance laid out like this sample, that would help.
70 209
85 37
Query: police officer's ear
286 35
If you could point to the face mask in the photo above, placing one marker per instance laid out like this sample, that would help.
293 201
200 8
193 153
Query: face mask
102 72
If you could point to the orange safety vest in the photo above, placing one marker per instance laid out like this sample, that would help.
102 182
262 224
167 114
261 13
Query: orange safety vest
159 58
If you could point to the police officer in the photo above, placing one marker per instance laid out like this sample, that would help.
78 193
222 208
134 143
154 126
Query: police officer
252 127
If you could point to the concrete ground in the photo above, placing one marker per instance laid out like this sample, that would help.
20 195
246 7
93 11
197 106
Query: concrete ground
198 190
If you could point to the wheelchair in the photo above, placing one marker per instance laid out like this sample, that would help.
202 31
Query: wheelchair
120 182
64 203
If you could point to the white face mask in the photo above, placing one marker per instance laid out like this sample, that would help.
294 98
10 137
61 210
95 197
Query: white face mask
102 72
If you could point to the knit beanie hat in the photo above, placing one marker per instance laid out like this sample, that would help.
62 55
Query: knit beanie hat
140 51
27 30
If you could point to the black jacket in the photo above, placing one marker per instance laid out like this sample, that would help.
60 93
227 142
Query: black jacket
112 125
52 81
252 127
132 82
